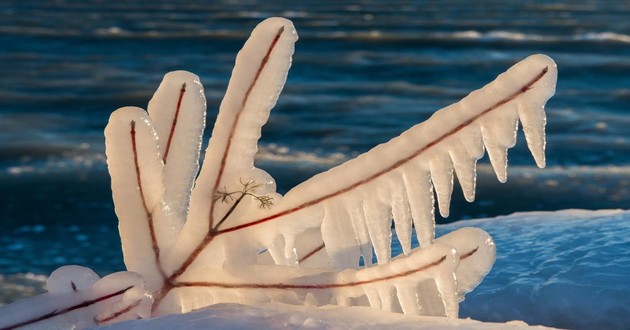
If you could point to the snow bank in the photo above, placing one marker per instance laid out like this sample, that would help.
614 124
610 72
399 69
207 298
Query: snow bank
567 269
277 316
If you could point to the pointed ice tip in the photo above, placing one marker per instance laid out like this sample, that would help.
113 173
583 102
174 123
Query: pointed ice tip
538 153
501 176
279 24
541 162
469 196
444 211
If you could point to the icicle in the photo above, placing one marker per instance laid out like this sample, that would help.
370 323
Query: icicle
472 140
378 218
446 284
290 253
374 298
343 252
427 304
402 217
362 234
442 177
499 134
419 191
408 298
310 300
534 120
532 104
466 170
276 250
388 298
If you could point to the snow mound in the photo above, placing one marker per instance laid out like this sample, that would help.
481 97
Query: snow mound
280 316
567 269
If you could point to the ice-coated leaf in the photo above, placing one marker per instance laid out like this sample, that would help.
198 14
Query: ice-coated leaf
78 299
135 165
257 79
476 252
70 278
178 112
452 132
377 286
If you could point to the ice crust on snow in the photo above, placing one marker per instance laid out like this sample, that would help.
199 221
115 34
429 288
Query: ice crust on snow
228 237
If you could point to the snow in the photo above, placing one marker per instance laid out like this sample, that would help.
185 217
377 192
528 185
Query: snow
276 316
567 269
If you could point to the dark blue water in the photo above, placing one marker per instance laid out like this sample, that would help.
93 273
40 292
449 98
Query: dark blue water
363 72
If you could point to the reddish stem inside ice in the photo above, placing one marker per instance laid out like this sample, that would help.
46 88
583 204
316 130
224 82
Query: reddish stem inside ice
149 214
182 91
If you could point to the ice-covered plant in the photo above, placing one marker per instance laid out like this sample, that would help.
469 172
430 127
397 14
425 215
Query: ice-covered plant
224 235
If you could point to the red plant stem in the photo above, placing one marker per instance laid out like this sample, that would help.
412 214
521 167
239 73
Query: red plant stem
284 286
150 222
319 286
211 233
66 310
469 253
182 91
228 146
119 313
312 253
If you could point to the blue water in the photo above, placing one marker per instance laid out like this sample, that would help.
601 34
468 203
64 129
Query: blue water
363 72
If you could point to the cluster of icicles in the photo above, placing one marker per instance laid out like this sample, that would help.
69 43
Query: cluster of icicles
194 238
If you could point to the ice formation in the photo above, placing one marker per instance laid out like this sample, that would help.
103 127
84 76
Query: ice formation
226 236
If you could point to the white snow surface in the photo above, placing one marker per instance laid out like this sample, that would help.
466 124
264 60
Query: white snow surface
567 269
280 316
